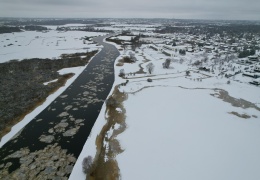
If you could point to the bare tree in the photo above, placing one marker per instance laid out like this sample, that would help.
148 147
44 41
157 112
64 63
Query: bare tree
87 164
205 57
132 57
167 63
124 46
150 68
122 73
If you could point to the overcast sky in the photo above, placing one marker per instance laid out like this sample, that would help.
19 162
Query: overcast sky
179 9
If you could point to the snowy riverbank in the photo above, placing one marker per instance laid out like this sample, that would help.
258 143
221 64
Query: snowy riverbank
183 127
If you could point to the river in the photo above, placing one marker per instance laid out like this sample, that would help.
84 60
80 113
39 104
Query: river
47 148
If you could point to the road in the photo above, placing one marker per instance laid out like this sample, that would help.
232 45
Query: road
47 148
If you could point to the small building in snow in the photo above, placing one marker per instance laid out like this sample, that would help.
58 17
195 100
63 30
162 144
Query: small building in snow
253 58
257 68
255 82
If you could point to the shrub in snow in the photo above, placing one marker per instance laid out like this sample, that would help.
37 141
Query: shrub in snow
167 63
124 84
122 73
87 164
182 52
149 80
181 60
150 68
130 59
228 82
197 63
187 73
111 102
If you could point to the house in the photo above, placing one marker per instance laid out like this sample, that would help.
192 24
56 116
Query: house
132 57
204 69
255 82
257 68
255 76
209 48
169 47
244 61
190 50
154 47
253 58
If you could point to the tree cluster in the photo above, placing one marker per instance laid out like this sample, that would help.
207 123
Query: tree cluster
150 68
87 164
121 73
135 42
9 29
211 30
24 22
22 83
167 63
246 53
35 28
111 101
117 41
182 52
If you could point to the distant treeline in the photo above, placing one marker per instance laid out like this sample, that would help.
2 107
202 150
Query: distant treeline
246 53
36 64
87 28
35 28
7 29
211 30
11 29
58 22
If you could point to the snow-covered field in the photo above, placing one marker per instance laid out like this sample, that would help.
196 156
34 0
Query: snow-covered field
50 44
125 38
176 133
178 128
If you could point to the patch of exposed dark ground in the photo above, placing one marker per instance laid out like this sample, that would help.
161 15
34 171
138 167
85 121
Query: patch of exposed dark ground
224 95
245 116
22 88
105 165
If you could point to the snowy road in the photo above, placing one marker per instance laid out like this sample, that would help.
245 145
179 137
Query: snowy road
50 144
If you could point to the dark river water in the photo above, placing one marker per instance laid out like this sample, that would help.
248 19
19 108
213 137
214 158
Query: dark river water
66 122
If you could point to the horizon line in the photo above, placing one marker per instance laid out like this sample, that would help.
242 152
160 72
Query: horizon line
2 17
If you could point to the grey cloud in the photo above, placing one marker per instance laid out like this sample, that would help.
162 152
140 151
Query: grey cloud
208 9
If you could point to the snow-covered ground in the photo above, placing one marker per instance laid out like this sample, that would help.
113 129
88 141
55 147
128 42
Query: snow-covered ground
125 38
177 128
176 133
50 44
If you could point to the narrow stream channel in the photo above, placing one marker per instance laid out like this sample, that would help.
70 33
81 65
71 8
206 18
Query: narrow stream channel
49 145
